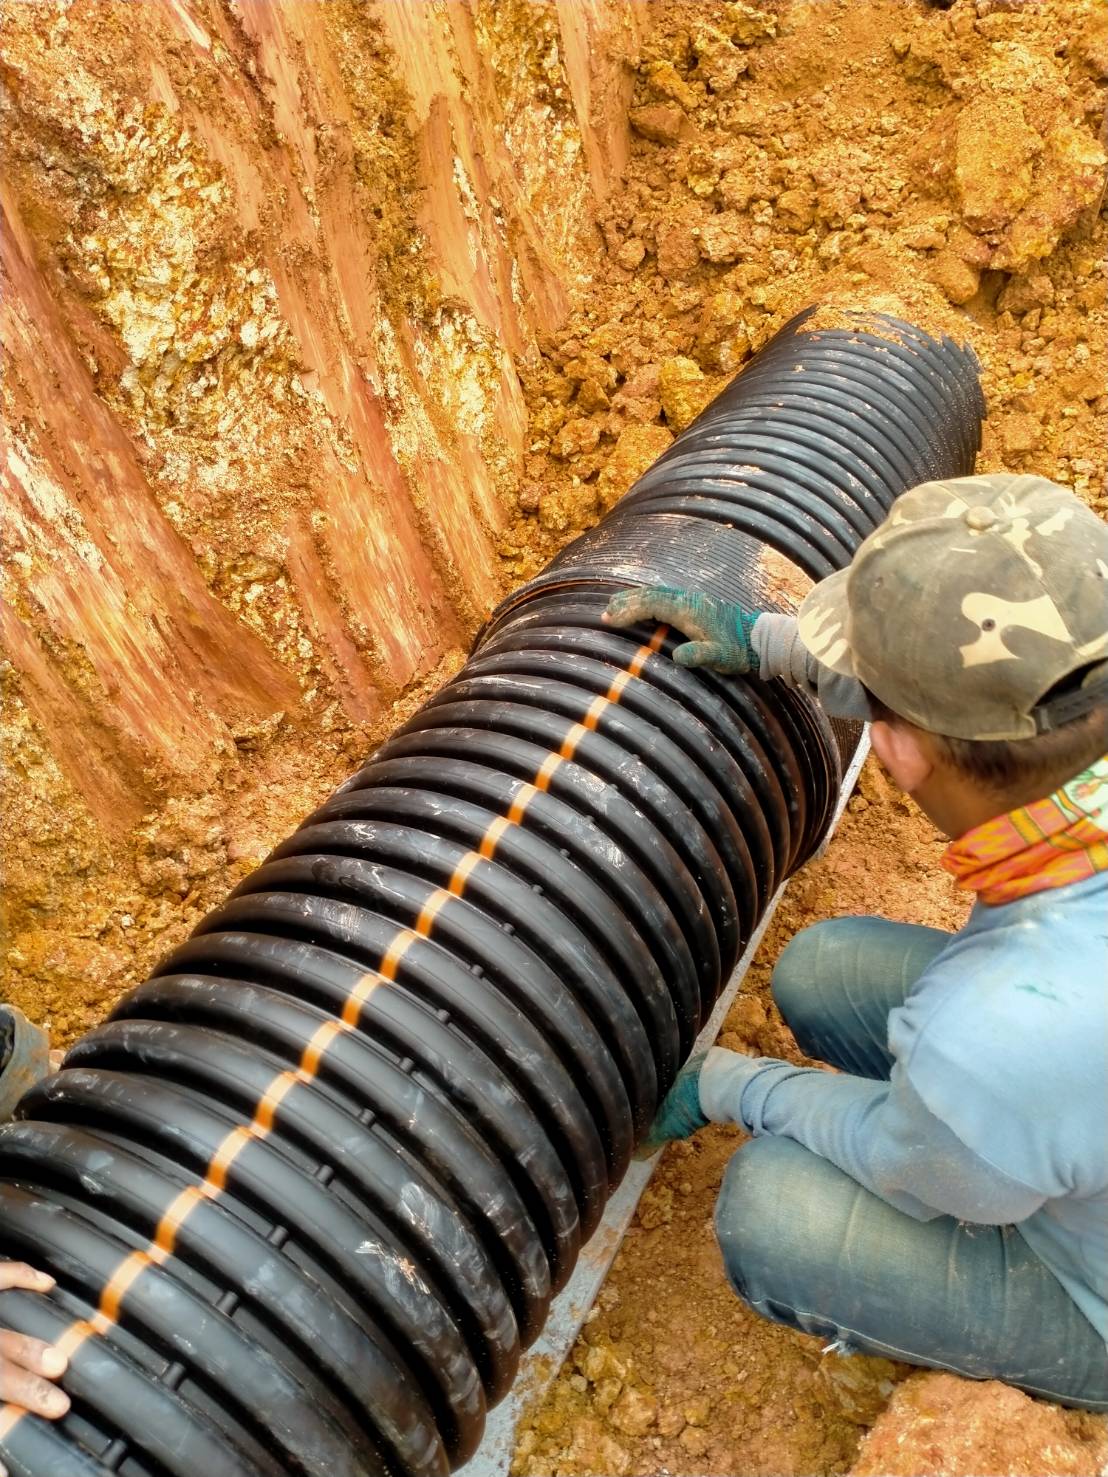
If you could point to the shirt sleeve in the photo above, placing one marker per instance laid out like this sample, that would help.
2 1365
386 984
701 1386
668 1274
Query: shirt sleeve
879 1133
781 653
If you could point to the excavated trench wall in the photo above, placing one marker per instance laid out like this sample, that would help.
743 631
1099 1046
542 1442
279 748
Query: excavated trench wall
269 273
308 1193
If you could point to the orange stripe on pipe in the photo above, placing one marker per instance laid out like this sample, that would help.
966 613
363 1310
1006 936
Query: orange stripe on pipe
571 740
639 660
546 771
654 645
492 836
321 1039
619 682
460 875
75 1335
271 1100
429 911
228 1151
596 707
395 952
182 1205
524 795
352 1005
116 1290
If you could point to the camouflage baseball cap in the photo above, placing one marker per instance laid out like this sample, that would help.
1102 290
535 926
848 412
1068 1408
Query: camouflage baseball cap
979 608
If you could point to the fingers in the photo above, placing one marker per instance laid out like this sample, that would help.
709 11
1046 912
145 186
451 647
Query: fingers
19 1274
27 1366
730 660
33 1355
630 607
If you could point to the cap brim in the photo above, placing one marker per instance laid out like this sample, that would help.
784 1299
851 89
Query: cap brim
822 624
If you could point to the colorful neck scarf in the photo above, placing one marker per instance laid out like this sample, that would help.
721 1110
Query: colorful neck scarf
1049 843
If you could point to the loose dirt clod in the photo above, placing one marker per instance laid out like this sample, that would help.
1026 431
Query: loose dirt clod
948 1427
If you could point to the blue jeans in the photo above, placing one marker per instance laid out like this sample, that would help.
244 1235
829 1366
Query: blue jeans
805 1245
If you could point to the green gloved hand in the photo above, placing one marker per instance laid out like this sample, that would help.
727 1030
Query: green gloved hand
720 631
680 1114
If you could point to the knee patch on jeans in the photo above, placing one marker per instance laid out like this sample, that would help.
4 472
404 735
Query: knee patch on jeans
797 971
772 1215
748 1221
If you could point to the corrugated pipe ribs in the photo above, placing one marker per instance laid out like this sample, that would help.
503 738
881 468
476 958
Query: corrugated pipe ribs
310 1190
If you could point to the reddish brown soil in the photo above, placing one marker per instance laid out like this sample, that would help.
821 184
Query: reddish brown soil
950 1428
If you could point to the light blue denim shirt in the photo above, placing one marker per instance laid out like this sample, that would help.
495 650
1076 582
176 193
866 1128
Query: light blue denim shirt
996 1111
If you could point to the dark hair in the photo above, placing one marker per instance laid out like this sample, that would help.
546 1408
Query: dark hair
1006 766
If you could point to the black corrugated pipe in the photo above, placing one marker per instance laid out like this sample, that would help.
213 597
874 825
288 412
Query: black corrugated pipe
311 1188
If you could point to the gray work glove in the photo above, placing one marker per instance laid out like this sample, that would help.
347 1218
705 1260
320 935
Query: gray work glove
720 631
24 1057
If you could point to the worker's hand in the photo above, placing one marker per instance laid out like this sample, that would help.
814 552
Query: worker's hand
27 1365
720 631
679 1116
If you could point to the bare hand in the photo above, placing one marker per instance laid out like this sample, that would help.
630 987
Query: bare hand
27 1365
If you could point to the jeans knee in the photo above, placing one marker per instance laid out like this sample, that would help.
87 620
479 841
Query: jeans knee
749 1226
804 962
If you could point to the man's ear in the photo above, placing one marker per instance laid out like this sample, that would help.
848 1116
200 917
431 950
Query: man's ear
900 750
